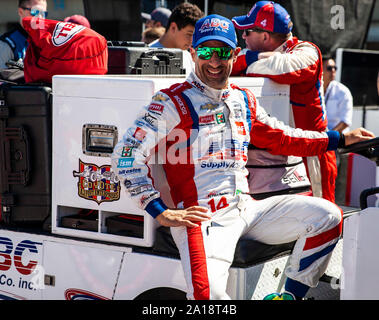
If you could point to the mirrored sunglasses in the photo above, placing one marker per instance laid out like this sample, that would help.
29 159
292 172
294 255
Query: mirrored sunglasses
36 12
206 53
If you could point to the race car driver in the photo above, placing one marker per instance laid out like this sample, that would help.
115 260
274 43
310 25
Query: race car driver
272 52
201 129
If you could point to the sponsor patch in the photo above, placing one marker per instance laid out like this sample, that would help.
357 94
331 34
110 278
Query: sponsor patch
146 198
139 134
209 106
208 119
99 184
150 120
140 189
220 118
156 108
124 172
125 162
126 152
159 97
241 128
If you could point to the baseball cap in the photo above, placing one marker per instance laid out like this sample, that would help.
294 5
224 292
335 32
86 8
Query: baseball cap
266 15
214 27
78 19
158 14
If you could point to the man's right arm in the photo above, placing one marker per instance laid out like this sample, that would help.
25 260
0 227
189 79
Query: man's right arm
131 154
129 161
187 217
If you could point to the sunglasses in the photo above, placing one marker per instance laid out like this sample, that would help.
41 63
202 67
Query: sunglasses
331 68
36 12
205 53
248 31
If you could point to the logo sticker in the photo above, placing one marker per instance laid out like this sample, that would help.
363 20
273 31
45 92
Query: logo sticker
139 134
159 97
208 119
156 108
79 294
220 118
209 106
241 128
99 184
126 152
64 32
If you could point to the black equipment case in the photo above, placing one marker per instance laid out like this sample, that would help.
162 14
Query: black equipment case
25 154
136 58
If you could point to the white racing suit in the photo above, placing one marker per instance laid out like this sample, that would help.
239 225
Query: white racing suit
298 64
201 136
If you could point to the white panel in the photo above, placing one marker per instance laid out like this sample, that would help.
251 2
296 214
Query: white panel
80 271
361 256
142 272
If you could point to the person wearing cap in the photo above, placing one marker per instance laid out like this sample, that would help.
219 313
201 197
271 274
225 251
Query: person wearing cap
158 17
13 43
273 52
201 129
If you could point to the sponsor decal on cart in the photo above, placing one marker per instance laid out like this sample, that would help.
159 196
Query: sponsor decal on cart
20 269
79 294
64 32
99 184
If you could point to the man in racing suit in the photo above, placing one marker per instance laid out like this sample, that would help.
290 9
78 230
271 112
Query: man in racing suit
274 53
201 130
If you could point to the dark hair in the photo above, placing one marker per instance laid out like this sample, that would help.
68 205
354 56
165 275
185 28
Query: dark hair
185 14
153 33
327 56
23 3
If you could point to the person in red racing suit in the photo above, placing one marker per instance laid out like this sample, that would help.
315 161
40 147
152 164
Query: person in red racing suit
272 52
201 130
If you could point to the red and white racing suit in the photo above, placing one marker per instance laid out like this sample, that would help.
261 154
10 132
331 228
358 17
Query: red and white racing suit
299 64
202 135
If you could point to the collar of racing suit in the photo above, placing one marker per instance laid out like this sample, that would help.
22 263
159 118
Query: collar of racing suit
214 94
287 44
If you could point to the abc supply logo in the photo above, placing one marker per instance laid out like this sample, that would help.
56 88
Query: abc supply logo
214 23
21 257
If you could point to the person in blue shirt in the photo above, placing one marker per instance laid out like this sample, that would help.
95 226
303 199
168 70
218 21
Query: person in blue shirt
13 43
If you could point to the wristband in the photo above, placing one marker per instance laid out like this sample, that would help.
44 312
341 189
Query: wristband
341 141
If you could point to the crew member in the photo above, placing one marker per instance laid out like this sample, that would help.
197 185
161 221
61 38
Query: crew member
13 44
274 53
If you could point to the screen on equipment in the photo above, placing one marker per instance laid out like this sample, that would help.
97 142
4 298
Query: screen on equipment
358 70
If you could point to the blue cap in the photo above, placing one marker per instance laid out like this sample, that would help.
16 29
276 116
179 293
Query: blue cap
214 27
266 15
